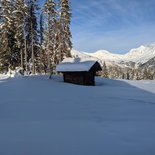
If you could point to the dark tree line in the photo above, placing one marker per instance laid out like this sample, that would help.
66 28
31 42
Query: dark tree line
117 72
34 38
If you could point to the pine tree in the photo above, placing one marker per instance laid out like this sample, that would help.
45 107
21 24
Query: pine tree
9 54
105 71
42 55
145 74
1 19
20 14
32 33
1 26
127 75
137 74
19 35
65 43
50 37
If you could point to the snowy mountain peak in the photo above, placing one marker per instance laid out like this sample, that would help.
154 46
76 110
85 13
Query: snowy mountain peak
102 52
138 55
141 54
105 55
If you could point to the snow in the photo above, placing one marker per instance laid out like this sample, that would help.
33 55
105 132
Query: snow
141 54
75 53
42 117
14 73
75 64
3 76
106 56
138 55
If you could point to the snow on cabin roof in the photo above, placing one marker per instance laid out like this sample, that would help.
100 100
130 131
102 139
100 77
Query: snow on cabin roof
75 64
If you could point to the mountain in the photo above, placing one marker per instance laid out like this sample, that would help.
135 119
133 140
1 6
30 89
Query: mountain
106 55
150 63
75 53
137 58
84 55
141 54
138 55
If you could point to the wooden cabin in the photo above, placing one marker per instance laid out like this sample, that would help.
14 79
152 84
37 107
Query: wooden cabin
79 71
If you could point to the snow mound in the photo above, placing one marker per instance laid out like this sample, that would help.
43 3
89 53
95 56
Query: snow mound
17 73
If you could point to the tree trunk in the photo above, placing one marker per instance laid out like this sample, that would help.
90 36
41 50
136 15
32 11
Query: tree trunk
49 63
32 48
26 56
21 57
48 54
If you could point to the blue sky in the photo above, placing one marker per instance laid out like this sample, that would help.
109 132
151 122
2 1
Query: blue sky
114 25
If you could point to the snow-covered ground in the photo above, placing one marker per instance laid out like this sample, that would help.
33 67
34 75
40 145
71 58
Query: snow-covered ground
48 117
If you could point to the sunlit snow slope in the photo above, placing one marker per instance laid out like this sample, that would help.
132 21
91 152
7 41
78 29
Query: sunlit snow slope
138 55
39 116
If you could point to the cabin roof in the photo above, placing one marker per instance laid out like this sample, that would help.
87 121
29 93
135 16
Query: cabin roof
75 65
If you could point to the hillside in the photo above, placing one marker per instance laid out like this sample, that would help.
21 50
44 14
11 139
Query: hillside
131 65
138 55
42 117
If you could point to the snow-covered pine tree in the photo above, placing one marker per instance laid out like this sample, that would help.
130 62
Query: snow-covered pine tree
105 70
9 54
32 33
20 13
1 24
43 56
41 43
64 26
1 13
49 33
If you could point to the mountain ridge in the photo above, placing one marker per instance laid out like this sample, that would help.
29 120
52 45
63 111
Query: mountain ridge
139 55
